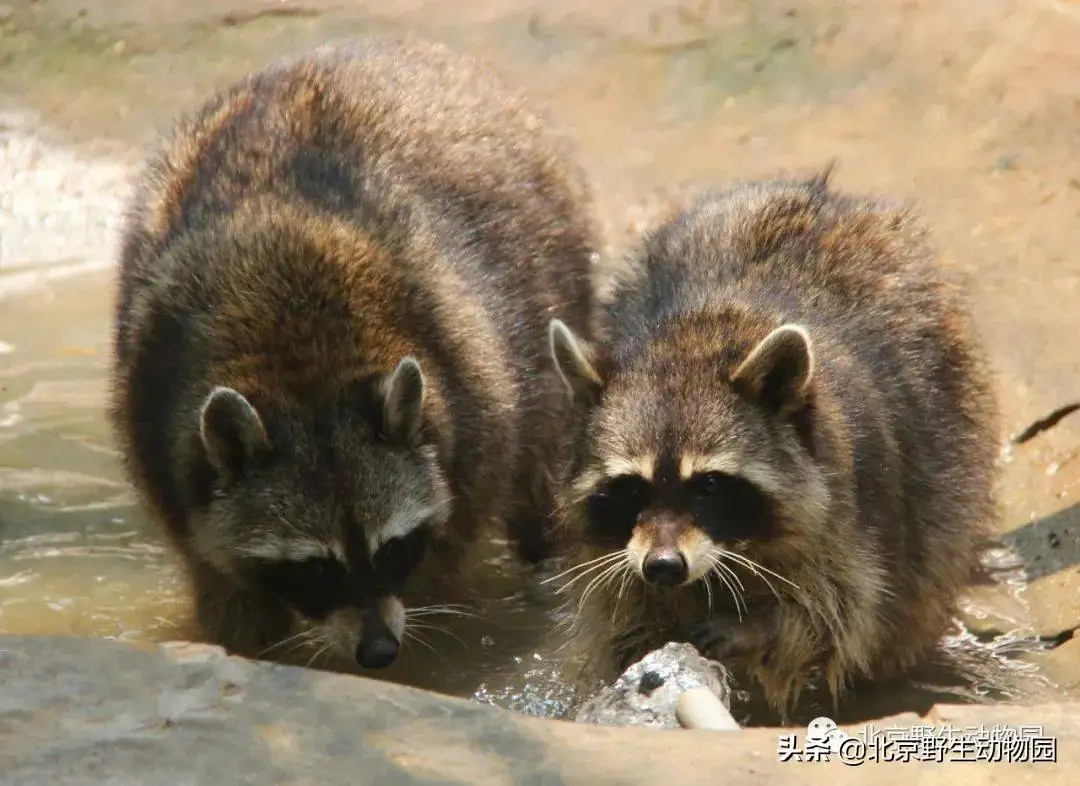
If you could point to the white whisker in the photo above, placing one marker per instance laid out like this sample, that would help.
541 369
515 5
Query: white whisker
756 566
765 579
451 610
719 562
305 636
585 568
562 647
627 575
600 580
413 636
730 574
725 574
438 629
708 594
323 649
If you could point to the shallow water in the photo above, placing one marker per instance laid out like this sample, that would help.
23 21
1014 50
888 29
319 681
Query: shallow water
78 556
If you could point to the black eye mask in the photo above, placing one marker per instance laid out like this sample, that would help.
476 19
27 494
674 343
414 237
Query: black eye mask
397 557
728 507
315 586
614 507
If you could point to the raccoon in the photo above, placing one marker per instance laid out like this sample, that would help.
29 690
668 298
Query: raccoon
783 450
331 372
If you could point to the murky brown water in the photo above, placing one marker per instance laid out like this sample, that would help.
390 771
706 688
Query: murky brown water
653 104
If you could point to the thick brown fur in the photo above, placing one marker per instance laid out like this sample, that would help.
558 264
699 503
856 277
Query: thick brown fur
854 467
294 240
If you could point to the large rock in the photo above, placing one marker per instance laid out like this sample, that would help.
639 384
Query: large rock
80 711
648 692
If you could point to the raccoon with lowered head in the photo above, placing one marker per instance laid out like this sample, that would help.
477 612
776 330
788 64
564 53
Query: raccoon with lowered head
331 367
785 442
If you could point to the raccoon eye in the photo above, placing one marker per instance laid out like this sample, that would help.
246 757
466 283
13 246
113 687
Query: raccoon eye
614 507
729 507
632 487
315 586
397 557
709 484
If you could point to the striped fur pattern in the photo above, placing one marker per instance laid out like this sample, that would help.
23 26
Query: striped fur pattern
784 444
331 371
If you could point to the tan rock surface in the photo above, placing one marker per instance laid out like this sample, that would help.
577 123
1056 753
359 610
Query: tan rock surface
80 711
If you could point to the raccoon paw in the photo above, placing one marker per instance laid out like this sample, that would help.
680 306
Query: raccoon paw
726 637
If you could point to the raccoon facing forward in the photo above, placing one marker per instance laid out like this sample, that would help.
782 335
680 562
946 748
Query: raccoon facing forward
331 365
785 442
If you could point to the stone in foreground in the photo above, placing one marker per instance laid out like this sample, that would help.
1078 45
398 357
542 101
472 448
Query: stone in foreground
86 711
647 693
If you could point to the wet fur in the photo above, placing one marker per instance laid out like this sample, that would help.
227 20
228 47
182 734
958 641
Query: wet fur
881 473
294 239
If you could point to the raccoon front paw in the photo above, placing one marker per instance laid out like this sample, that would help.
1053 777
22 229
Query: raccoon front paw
778 651
726 637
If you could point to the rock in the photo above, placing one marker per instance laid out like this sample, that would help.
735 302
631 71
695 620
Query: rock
647 693
89 711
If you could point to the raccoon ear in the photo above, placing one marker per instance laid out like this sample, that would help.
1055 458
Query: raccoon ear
778 371
403 401
574 360
231 430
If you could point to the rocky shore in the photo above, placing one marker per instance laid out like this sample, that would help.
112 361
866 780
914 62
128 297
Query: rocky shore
84 711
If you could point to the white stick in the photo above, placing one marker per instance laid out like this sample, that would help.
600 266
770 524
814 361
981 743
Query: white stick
700 708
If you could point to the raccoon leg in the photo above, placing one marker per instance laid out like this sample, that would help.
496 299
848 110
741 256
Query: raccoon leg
244 622
778 648
529 532
530 526
725 638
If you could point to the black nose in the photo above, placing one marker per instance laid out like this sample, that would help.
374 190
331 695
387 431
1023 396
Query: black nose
376 652
665 567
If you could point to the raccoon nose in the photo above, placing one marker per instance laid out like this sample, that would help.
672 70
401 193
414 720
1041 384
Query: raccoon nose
377 652
665 567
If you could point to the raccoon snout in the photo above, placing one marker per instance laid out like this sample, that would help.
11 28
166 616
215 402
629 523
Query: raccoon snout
377 651
381 634
665 567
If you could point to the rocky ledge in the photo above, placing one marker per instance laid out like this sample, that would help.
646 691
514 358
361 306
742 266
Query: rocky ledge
81 711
